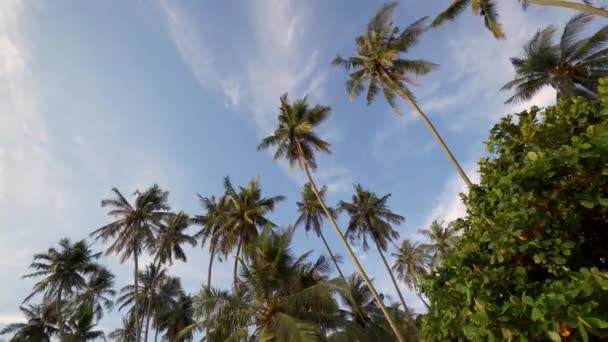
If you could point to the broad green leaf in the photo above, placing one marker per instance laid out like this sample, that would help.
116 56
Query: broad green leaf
597 323
554 336
588 204
537 315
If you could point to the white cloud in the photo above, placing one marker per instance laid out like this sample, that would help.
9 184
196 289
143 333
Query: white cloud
9 318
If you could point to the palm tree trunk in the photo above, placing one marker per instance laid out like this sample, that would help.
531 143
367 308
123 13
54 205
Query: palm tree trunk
430 126
360 270
571 5
236 261
332 256
422 299
60 322
209 272
390 272
148 315
156 334
136 307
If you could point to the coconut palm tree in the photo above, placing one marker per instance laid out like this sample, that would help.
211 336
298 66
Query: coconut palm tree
370 217
442 240
411 264
312 216
168 289
64 271
97 294
487 9
223 314
285 298
126 333
39 326
378 62
82 325
212 230
133 229
177 317
246 210
296 141
572 66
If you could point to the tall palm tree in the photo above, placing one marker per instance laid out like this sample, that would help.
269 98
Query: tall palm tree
211 222
168 289
98 292
176 317
168 245
371 217
378 62
133 229
442 240
487 9
39 326
296 141
312 216
246 212
223 314
571 66
82 326
411 264
65 270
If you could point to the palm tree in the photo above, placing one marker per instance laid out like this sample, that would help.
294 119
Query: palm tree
371 217
487 9
167 245
296 141
411 264
133 230
246 210
360 313
442 241
39 326
176 317
168 289
572 67
285 298
378 62
211 222
64 270
99 290
312 216
82 325
126 333
223 314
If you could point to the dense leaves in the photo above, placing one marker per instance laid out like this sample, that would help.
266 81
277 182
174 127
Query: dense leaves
532 260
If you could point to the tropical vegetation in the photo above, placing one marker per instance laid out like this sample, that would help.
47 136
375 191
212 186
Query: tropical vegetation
528 260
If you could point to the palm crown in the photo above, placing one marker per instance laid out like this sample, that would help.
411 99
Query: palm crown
294 137
411 263
311 211
39 326
572 66
377 60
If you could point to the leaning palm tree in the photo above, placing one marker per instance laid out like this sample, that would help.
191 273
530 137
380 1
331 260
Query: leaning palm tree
39 326
65 270
312 216
133 230
442 240
571 66
296 142
246 211
487 9
411 264
378 62
370 217
82 326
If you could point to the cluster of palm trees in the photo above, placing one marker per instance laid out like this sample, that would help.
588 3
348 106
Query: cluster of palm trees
276 295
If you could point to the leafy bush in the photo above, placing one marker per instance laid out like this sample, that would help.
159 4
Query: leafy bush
532 262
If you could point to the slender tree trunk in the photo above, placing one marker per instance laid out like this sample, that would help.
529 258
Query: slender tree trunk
332 256
148 315
136 293
571 5
60 322
156 334
422 299
430 126
236 262
390 272
209 273
352 255
148 312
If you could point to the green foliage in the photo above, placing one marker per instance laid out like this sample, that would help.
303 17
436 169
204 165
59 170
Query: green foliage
532 260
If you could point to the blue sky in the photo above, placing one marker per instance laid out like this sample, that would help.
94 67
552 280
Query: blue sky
128 93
